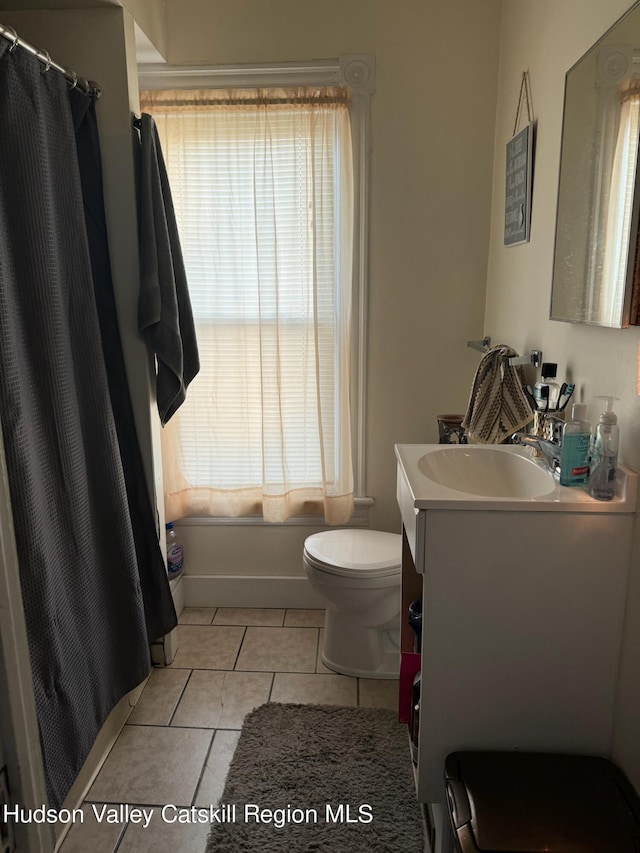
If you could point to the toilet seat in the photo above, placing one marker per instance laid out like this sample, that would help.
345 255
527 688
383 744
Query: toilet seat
354 553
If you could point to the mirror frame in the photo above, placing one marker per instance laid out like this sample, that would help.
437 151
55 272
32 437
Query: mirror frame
629 313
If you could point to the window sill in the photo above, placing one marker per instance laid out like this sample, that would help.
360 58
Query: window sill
360 518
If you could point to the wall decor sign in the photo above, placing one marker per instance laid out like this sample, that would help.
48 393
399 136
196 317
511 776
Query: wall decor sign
519 176
518 184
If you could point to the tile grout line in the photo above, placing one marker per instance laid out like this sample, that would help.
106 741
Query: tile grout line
203 768
317 651
182 692
273 681
120 838
214 733
240 644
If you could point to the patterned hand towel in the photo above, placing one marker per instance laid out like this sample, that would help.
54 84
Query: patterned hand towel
498 405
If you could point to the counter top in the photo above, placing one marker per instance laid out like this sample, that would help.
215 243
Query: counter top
425 493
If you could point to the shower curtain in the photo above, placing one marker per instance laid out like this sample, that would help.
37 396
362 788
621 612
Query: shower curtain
81 588
160 613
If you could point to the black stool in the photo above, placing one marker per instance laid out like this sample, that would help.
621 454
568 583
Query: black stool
532 802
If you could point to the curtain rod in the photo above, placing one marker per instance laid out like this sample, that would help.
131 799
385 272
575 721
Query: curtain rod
89 87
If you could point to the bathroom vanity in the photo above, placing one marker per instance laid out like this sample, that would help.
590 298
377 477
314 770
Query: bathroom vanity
523 584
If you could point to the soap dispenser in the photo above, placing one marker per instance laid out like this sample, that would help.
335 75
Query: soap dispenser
574 456
604 453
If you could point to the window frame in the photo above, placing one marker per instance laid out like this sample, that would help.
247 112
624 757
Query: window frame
357 72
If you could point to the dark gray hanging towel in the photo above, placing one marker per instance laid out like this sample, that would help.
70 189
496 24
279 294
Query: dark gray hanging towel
82 598
158 604
165 318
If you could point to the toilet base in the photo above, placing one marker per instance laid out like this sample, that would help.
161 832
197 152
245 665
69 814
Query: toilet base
359 651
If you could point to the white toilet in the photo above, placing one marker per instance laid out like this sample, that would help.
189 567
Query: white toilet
358 573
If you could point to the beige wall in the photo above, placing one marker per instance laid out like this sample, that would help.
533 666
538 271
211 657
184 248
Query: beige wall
432 135
149 15
433 130
547 37
433 120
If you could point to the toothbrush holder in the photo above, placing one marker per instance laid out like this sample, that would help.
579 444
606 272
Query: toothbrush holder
548 425
450 429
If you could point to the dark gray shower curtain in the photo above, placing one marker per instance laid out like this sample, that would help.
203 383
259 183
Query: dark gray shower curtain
158 604
81 588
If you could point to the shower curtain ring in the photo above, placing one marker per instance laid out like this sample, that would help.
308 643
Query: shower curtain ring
72 78
44 57
10 33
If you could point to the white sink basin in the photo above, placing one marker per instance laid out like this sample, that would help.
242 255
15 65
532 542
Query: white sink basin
491 472
495 477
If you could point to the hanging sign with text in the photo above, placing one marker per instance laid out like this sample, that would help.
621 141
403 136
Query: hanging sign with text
517 209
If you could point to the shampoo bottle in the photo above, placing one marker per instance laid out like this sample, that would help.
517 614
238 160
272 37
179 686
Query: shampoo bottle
604 453
576 440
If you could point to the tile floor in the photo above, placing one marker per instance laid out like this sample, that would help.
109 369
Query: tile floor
180 738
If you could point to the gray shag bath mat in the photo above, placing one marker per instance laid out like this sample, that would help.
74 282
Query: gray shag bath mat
319 778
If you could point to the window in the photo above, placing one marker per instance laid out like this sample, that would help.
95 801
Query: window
605 175
616 255
263 187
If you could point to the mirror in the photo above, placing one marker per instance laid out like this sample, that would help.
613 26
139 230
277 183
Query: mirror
595 265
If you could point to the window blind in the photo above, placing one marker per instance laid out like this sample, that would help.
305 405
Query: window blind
263 198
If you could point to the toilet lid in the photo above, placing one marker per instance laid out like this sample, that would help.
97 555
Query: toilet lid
355 552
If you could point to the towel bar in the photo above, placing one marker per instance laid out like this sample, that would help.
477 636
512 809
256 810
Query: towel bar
535 358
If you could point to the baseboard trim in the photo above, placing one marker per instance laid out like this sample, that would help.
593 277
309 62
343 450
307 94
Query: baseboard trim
249 591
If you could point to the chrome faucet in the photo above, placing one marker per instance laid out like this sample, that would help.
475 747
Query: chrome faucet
550 449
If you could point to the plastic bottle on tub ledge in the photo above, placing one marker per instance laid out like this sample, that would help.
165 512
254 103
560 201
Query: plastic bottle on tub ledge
175 553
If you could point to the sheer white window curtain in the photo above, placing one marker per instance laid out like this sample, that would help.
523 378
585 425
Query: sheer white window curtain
262 185
620 207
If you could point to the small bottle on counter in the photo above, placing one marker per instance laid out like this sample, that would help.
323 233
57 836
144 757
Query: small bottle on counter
604 453
547 400
175 553
576 441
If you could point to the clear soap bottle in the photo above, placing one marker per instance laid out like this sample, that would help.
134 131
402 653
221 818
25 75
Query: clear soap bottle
604 453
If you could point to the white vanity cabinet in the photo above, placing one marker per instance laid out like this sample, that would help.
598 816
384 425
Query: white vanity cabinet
523 607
